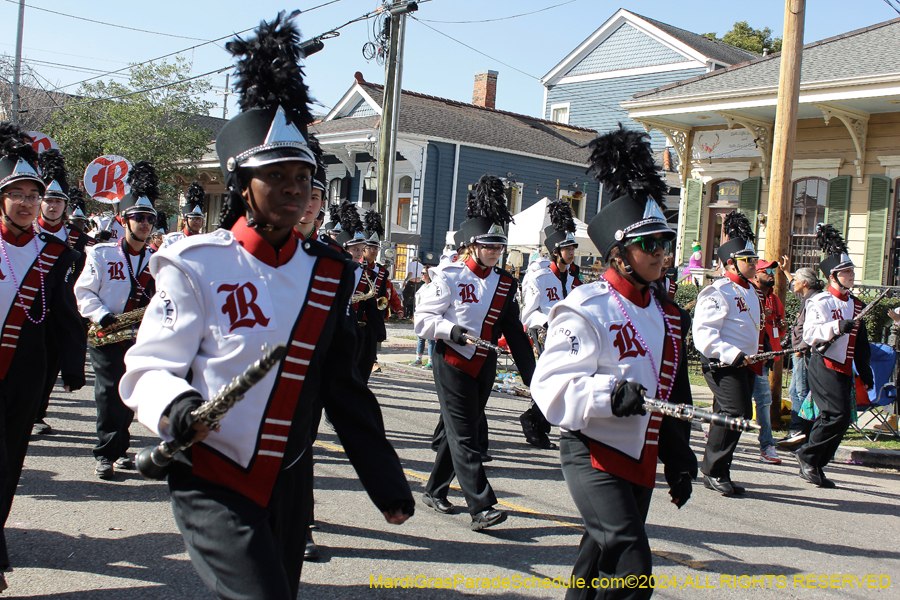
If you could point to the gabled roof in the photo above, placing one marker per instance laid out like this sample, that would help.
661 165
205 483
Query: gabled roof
693 47
450 120
863 53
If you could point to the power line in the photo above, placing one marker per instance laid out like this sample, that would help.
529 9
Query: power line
534 12
65 54
889 3
183 37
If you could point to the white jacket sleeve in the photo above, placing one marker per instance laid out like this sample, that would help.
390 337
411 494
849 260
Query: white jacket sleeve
531 305
709 317
817 328
568 384
429 318
167 343
87 290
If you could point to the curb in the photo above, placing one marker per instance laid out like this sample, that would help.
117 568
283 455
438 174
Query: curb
876 458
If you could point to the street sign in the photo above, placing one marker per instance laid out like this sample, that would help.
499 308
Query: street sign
104 178
41 142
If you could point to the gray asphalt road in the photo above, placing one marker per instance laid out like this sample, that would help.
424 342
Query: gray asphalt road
73 536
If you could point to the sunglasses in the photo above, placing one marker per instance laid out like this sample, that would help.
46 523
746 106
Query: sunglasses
493 247
651 244
749 259
142 218
770 271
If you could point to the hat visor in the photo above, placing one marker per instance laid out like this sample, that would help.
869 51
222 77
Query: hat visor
650 229
490 239
25 177
567 244
843 266
278 155
354 242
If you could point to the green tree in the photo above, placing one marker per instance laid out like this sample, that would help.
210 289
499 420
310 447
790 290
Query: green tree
153 117
744 36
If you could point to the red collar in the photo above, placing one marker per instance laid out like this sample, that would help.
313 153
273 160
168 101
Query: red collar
9 235
47 227
476 268
737 279
260 248
127 247
838 294
188 233
627 289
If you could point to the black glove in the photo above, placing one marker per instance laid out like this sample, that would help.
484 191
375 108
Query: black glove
180 418
107 320
628 399
75 382
681 490
739 360
104 235
846 325
456 335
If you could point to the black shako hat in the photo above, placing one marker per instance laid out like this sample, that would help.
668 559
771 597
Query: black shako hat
53 170
737 228
18 160
272 126
623 162
195 198
835 249
352 231
486 212
144 190
561 231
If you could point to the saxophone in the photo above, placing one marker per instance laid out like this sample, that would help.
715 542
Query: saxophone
362 296
123 330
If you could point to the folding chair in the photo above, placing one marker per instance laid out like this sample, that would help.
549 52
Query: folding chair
885 393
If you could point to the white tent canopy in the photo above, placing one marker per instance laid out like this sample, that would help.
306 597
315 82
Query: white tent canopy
527 233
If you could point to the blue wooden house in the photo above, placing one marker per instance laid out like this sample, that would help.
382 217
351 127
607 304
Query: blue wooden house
444 146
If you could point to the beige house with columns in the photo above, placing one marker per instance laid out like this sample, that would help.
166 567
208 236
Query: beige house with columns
847 155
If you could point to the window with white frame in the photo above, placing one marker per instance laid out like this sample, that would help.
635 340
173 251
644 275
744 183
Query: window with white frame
576 199
514 191
559 113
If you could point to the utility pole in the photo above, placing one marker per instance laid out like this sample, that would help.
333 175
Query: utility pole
393 73
226 93
17 73
778 236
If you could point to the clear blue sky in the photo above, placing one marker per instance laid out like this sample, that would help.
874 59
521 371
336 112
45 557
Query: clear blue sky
434 64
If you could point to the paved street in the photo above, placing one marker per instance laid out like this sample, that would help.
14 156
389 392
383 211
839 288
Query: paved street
73 536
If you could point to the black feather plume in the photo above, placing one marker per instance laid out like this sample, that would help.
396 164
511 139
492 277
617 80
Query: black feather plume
373 224
471 206
736 225
162 221
334 212
143 181
15 143
830 240
623 161
268 70
490 201
53 168
561 216
349 218
196 196
76 200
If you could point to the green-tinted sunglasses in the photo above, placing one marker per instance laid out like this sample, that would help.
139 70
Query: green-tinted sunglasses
651 244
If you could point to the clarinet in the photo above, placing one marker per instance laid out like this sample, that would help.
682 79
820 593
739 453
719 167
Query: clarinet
821 348
153 463
754 358
480 343
686 412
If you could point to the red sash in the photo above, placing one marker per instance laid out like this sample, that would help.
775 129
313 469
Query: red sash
360 288
472 366
257 480
30 288
643 471
847 366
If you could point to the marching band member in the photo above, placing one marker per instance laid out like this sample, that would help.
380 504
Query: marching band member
52 221
471 296
192 216
108 226
728 321
380 274
34 297
238 496
829 320
668 281
116 281
545 284
306 227
609 343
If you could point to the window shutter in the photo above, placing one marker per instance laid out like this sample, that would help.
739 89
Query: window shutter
837 203
693 195
748 200
876 229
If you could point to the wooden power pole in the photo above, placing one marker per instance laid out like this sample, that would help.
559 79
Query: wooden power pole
778 234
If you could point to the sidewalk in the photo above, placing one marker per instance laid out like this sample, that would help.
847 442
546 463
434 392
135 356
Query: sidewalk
400 349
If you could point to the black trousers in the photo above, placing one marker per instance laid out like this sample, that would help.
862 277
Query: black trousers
831 393
614 510
20 394
440 433
367 350
241 550
53 363
732 390
113 417
462 399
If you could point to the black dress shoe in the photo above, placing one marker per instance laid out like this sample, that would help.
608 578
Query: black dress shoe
487 518
485 458
311 553
809 472
439 504
723 485
826 483
41 428
542 442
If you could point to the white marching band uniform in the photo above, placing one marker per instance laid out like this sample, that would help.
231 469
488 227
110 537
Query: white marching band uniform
824 311
541 290
721 330
104 286
102 223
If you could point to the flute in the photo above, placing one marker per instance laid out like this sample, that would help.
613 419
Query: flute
754 358
477 341
153 463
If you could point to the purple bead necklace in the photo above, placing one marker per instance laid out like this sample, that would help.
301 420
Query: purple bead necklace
40 269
